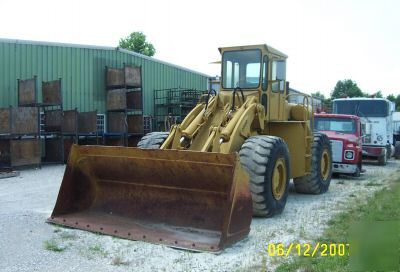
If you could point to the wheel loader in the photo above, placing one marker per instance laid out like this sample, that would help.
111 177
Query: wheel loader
197 186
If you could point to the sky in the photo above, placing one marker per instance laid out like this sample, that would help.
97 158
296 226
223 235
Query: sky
326 41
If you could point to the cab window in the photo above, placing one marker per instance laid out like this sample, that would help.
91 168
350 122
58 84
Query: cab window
265 73
241 69
278 75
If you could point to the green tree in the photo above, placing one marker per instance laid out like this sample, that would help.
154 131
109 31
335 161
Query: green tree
346 88
378 94
391 97
397 102
394 99
136 41
319 95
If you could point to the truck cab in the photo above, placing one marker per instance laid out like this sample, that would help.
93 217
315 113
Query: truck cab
345 133
376 115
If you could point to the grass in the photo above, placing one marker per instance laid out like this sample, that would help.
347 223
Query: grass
382 206
97 249
371 183
52 245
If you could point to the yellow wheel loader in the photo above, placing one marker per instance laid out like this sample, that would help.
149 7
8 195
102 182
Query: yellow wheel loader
198 185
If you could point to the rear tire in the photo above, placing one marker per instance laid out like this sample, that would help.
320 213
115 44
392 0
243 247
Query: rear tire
397 151
153 140
321 168
388 152
266 159
357 174
382 160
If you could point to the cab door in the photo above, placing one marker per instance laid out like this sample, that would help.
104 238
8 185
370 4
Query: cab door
277 85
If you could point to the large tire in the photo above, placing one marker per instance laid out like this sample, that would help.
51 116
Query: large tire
388 152
320 178
397 151
152 140
382 160
266 159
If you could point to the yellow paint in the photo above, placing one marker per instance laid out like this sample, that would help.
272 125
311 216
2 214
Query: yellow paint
224 129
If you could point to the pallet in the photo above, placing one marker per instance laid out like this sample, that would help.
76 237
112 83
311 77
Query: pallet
8 173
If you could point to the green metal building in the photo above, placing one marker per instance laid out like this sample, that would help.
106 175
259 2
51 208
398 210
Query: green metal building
82 69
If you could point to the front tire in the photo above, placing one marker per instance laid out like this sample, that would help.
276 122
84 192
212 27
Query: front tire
357 174
382 160
397 151
152 140
266 159
321 168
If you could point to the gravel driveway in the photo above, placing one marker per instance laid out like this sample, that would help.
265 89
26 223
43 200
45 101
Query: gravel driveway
26 201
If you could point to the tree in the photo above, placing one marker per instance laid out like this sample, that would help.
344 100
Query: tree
318 95
346 88
398 102
391 97
378 94
394 99
136 42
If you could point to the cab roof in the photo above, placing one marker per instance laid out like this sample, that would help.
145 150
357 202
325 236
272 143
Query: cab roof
333 115
360 98
263 47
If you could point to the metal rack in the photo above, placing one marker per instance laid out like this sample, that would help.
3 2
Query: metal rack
172 105
80 128
124 105
19 128
53 115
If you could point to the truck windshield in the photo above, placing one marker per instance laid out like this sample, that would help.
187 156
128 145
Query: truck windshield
335 124
362 108
241 69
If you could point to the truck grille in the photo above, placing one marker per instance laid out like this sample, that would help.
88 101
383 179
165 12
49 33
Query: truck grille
337 149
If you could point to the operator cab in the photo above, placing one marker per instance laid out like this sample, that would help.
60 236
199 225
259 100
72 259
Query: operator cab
256 70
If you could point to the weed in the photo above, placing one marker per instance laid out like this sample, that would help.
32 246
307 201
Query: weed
119 260
371 183
302 232
53 246
97 249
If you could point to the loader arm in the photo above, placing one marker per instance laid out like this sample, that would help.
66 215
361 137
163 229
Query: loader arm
218 127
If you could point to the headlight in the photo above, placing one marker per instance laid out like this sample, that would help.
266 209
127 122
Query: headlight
349 154
379 138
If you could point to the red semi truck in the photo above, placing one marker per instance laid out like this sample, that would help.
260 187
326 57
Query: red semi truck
344 132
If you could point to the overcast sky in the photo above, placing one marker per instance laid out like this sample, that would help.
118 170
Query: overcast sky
325 40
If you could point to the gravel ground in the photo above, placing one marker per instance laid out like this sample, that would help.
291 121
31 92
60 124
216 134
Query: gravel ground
26 201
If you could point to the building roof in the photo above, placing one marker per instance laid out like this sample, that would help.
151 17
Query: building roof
44 43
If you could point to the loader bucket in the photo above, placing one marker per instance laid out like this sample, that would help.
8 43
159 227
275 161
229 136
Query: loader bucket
194 200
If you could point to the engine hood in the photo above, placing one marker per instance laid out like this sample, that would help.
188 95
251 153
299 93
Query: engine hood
333 135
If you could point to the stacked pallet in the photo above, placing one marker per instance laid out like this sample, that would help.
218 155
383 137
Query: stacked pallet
19 128
124 105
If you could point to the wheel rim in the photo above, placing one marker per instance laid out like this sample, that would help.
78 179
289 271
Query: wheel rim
325 165
279 179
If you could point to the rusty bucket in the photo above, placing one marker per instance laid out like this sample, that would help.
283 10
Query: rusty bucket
194 200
